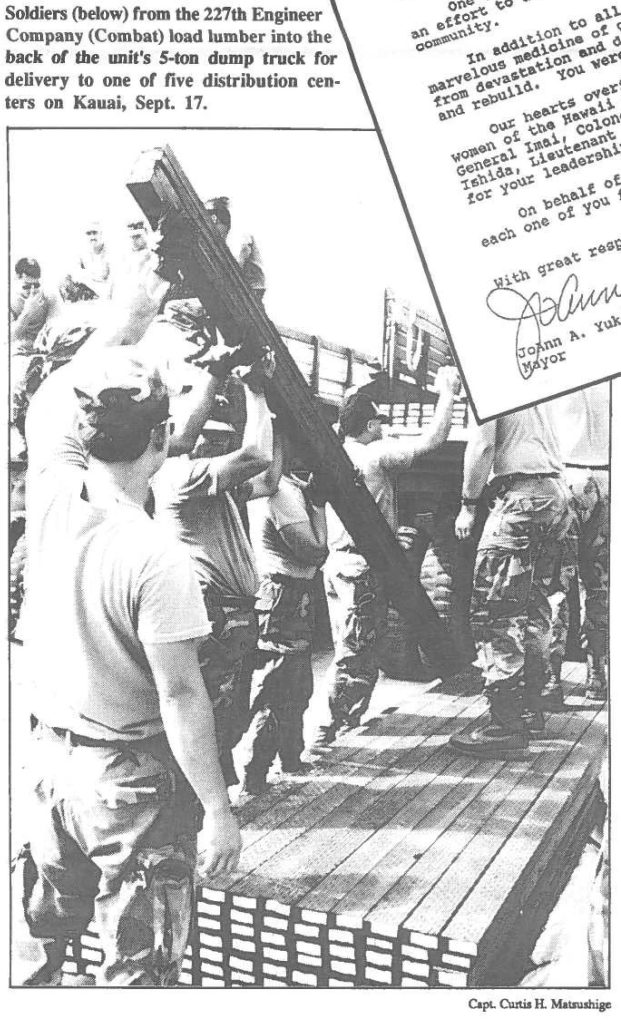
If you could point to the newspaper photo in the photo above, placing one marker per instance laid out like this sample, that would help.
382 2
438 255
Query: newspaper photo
313 321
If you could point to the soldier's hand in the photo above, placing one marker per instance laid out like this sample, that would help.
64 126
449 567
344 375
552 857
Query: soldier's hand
464 524
221 359
34 307
219 844
448 380
255 375
406 535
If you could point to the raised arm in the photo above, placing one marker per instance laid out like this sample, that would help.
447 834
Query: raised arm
266 483
308 540
190 413
402 453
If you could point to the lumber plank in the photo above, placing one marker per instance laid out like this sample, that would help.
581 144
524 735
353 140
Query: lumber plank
314 834
400 907
475 858
160 186
369 744
526 853
421 821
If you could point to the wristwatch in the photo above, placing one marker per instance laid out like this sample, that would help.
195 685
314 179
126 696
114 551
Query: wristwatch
469 502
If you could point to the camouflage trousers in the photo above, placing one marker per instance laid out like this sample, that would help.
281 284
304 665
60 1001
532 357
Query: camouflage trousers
590 491
227 659
112 834
358 617
282 683
517 557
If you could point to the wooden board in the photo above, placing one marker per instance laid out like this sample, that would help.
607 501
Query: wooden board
160 186
399 862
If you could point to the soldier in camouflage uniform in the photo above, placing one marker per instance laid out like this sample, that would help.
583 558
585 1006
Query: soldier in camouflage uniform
516 566
583 420
356 593
195 500
124 761
288 534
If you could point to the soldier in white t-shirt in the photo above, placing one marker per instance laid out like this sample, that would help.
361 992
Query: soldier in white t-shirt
124 750
355 592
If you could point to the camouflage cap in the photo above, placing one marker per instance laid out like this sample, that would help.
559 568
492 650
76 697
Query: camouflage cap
60 340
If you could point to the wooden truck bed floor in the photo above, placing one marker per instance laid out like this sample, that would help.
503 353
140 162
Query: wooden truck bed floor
398 862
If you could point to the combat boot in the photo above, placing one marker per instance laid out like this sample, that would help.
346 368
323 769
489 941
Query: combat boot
552 694
323 738
534 723
254 781
505 736
596 685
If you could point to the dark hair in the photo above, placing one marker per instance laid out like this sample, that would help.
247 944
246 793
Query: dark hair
116 424
220 206
27 266
355 415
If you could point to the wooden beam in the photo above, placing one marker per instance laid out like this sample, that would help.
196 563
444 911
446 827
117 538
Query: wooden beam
160 187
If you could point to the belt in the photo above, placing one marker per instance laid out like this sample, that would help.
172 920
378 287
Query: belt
510 478
581 465
76 740
279 577
243 604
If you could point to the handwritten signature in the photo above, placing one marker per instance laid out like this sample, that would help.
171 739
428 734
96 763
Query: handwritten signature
533 312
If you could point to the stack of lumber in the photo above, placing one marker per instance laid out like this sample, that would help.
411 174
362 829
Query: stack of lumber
398 862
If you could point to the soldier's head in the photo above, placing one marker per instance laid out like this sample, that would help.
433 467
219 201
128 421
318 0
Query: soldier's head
94 237
27 277
124 412
218 210
138 234
361 419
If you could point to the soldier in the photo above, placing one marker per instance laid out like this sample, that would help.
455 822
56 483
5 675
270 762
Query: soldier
583 422
249 258
288 534
356 594
92 277
513 578
194 498
30 307
30 310
124 755
138 235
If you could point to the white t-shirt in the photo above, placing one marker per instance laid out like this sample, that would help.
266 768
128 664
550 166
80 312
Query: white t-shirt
100 584
188 501
378 462
267 517
526 442
583 425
